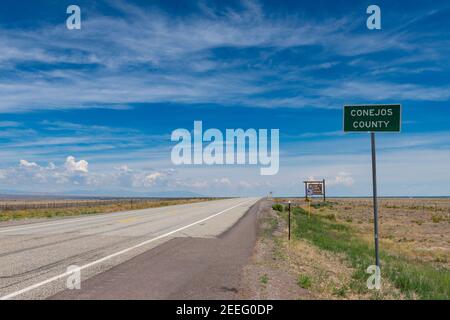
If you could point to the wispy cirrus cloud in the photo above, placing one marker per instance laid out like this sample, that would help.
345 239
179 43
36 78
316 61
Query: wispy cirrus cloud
147 56
372 91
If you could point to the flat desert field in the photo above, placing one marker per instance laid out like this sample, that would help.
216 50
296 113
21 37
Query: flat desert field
417 228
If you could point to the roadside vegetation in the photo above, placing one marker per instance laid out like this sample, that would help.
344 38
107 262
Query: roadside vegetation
414 279
332 247
92 209
278 207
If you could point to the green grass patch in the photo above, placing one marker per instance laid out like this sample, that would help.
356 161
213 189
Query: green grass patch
341 292
264 279
414 279
322 204
278 207
304 281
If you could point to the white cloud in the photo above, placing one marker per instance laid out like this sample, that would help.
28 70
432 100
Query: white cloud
123 168
254 184
28 165
76 166
153 177
244 184
30 174
345 174
199 184
342 178
223 181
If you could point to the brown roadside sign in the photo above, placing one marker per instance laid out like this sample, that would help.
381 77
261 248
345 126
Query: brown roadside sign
315 189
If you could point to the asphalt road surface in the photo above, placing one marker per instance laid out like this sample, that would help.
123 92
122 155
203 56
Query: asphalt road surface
120 254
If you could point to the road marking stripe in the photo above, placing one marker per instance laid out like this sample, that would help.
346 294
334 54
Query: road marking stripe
67 273
131 219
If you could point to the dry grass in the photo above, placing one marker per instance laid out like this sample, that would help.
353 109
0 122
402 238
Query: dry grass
418 229
414 243
331 275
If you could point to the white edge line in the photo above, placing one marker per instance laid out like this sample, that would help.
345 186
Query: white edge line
65 274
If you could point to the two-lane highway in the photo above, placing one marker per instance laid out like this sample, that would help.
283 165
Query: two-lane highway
34 258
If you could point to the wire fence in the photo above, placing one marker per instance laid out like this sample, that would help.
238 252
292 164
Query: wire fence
12 205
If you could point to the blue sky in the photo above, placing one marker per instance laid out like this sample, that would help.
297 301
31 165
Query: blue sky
91 111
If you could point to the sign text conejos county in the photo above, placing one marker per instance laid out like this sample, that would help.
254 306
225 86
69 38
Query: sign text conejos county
372 118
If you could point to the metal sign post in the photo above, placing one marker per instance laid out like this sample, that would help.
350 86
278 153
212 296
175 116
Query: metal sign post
309 209
375 200
306 190
373 118
289 222
310 193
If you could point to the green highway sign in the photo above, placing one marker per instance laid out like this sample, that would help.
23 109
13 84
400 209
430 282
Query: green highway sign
372 118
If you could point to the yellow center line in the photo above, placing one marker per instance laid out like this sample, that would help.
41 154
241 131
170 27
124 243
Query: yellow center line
128 220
